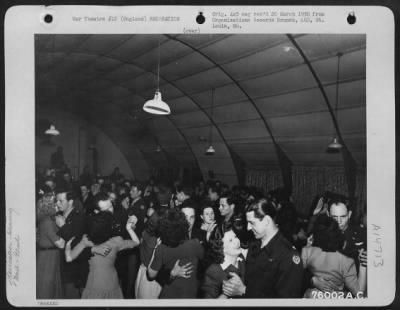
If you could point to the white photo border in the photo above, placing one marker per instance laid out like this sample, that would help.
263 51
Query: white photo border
23 22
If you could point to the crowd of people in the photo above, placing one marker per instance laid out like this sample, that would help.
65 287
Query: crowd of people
110 237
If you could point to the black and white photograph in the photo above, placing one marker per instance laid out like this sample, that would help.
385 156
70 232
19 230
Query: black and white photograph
190 165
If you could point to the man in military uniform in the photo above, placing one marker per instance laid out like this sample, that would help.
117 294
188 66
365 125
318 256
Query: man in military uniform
355 245
138 208
71 223
273 266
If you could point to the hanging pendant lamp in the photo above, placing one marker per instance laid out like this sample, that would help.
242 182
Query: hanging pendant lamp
335 145
210 150
156 105
52 131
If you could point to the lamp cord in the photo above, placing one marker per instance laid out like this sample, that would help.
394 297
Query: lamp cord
158 67
212 110
337 85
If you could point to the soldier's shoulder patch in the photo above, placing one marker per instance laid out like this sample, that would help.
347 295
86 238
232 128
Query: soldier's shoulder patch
296 259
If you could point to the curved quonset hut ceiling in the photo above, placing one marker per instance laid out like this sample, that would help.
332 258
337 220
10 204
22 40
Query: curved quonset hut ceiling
271 90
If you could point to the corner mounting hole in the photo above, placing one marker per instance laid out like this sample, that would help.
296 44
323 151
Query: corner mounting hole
200 19
48 18
351 18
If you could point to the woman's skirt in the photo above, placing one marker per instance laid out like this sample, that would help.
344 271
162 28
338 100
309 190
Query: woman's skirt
144 288
48 274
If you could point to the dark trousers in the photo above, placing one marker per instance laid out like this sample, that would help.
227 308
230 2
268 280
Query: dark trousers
121 264
71 291
74 277
133 262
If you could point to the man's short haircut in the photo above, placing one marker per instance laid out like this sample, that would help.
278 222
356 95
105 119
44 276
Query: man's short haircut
188 191
66 171
138 185
244 190
339 199
70 195
215 189
188 203
50 178
261 208
230 198
101 196
85 185
225 186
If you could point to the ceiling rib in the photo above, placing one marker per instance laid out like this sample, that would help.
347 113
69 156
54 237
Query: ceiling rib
285 162
180 132
278 115
348 159
238 81
261 75
106 54
276 94
147 71
171 120
321 87
233 80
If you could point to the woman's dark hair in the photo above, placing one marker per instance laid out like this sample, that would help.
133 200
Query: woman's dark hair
153 224
120 199
286 220
215 249
239 227
205 204
101 196
327 234
105 188
173 228
100 227
279 195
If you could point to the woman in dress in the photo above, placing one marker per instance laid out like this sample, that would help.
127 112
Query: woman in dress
324 260
144 288
176 249
102 282
225 255
48 275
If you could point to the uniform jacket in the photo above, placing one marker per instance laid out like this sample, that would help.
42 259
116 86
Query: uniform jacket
274 271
